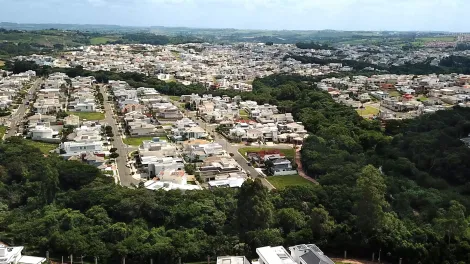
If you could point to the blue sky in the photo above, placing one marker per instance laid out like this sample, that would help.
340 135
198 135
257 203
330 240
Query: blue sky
436 15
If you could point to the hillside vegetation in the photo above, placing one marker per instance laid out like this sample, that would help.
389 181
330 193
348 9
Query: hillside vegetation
402 189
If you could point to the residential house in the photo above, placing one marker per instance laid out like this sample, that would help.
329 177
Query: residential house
43 133
274 255
77 148
282 167
218 168
13 255
232 260
309 254
72 120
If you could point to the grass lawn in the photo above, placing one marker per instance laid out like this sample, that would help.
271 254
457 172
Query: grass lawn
100 40
3 130
137 141
394 93
368 110
281 182
44 147
289 153
423 98
243 112
431 39
174 97
88 115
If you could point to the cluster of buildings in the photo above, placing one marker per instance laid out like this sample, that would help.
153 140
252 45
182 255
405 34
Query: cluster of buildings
246 120
381 55
401 96
51 119
229 66
171 141
299 254
11 88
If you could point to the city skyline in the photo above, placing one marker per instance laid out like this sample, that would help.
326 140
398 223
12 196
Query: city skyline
349 15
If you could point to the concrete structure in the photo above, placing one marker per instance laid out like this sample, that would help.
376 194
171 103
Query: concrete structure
12 255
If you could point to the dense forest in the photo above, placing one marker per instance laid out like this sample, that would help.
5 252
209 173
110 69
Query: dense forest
402 189
16 42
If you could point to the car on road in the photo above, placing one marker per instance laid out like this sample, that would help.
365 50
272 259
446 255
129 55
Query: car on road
248 163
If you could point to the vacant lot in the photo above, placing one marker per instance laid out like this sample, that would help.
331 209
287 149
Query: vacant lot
174 98
88 115
44 147
289 153
281 182
137 141
368 110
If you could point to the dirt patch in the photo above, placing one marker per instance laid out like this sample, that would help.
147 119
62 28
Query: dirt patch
2 63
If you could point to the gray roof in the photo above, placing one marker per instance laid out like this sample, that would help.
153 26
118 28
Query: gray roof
312 257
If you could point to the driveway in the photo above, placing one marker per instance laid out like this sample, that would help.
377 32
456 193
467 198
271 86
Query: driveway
125 177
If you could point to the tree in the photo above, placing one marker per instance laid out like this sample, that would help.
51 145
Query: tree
321 223
190 168
74 174
452 222
370 200
255 210
268 166
290 219
114 155
112 150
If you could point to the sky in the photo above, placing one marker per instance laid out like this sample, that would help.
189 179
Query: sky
394 15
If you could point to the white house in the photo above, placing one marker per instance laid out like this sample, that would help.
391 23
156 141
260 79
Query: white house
77 148
309 254
42 132
12 255
274 255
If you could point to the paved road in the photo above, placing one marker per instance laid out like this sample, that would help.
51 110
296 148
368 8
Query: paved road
122 149
19 114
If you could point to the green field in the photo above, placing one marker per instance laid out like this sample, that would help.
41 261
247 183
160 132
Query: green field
137 141
44 147
394 93
281 182
88 115
243 112
101 40
368 110
289 153
174 98
431 39
3 130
